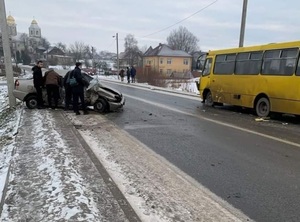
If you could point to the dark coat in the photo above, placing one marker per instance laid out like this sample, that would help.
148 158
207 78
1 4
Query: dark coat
79 78
128 73
37 76
65 83
133 72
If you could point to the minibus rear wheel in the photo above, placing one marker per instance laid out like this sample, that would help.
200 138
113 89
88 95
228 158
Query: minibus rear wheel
262 107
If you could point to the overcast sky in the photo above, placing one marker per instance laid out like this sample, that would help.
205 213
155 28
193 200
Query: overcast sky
218 26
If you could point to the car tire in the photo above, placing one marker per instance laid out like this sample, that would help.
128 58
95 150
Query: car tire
31 102
101 105
262 107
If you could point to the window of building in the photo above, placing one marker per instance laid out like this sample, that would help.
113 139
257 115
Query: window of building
169 61
161 71
161 61
37 32
280 62
248 63
185 61
169 71
149 62
225 64
31 32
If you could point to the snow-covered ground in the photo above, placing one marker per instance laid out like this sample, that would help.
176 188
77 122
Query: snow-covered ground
9 122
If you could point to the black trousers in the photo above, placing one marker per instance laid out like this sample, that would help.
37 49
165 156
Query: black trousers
78 93
53 93
39 93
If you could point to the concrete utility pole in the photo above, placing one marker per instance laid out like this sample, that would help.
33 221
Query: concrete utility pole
243 23
7 54
118 63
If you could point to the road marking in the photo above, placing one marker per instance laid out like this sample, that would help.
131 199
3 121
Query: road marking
215 121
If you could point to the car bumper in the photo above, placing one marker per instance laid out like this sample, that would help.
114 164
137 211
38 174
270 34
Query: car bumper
19 94
114 106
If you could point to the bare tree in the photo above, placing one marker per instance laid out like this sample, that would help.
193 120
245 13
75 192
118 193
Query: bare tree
78 50
45 43
183 39
61 46
132 52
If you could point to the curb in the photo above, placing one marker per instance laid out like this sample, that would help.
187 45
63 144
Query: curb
116 192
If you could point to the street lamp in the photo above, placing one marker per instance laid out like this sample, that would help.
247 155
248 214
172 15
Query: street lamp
118 64
243 23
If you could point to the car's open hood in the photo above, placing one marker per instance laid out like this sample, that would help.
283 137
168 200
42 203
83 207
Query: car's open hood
95 84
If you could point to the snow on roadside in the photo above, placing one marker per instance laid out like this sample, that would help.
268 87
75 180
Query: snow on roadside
61 190
9 123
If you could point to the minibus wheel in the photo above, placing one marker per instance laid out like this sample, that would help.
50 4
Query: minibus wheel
262 107
208 99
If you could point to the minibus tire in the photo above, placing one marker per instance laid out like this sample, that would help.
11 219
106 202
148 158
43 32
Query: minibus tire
262 107
208 99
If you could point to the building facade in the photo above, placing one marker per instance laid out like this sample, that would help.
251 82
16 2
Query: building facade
166 61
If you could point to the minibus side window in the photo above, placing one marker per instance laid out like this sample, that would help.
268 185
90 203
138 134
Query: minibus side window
207 67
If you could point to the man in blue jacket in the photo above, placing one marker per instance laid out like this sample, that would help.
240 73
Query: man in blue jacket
78 89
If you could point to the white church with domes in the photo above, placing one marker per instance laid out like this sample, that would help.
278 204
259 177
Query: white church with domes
20 41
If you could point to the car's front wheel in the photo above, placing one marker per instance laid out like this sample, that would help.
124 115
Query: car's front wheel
101 106
31 102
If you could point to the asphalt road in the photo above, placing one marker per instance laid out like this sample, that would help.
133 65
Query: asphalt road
255 166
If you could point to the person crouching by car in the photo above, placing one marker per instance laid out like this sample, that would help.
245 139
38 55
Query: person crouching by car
78 83
68 91
38 83
52 82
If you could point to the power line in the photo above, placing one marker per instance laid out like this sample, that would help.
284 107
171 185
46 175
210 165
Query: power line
182 19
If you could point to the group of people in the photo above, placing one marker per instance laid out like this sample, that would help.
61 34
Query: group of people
73 83
130 73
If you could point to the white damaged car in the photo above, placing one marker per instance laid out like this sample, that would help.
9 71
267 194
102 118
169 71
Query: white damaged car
101 97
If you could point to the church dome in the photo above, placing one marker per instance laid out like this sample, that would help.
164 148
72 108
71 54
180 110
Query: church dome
34 22
11 20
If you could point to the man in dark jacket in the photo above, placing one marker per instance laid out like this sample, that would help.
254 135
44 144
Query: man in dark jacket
132 73
68 90
38 83
78 90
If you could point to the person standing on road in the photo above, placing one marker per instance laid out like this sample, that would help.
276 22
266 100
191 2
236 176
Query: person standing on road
68 91
52 82
132 73
38 83
122 74
128 74
78 89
